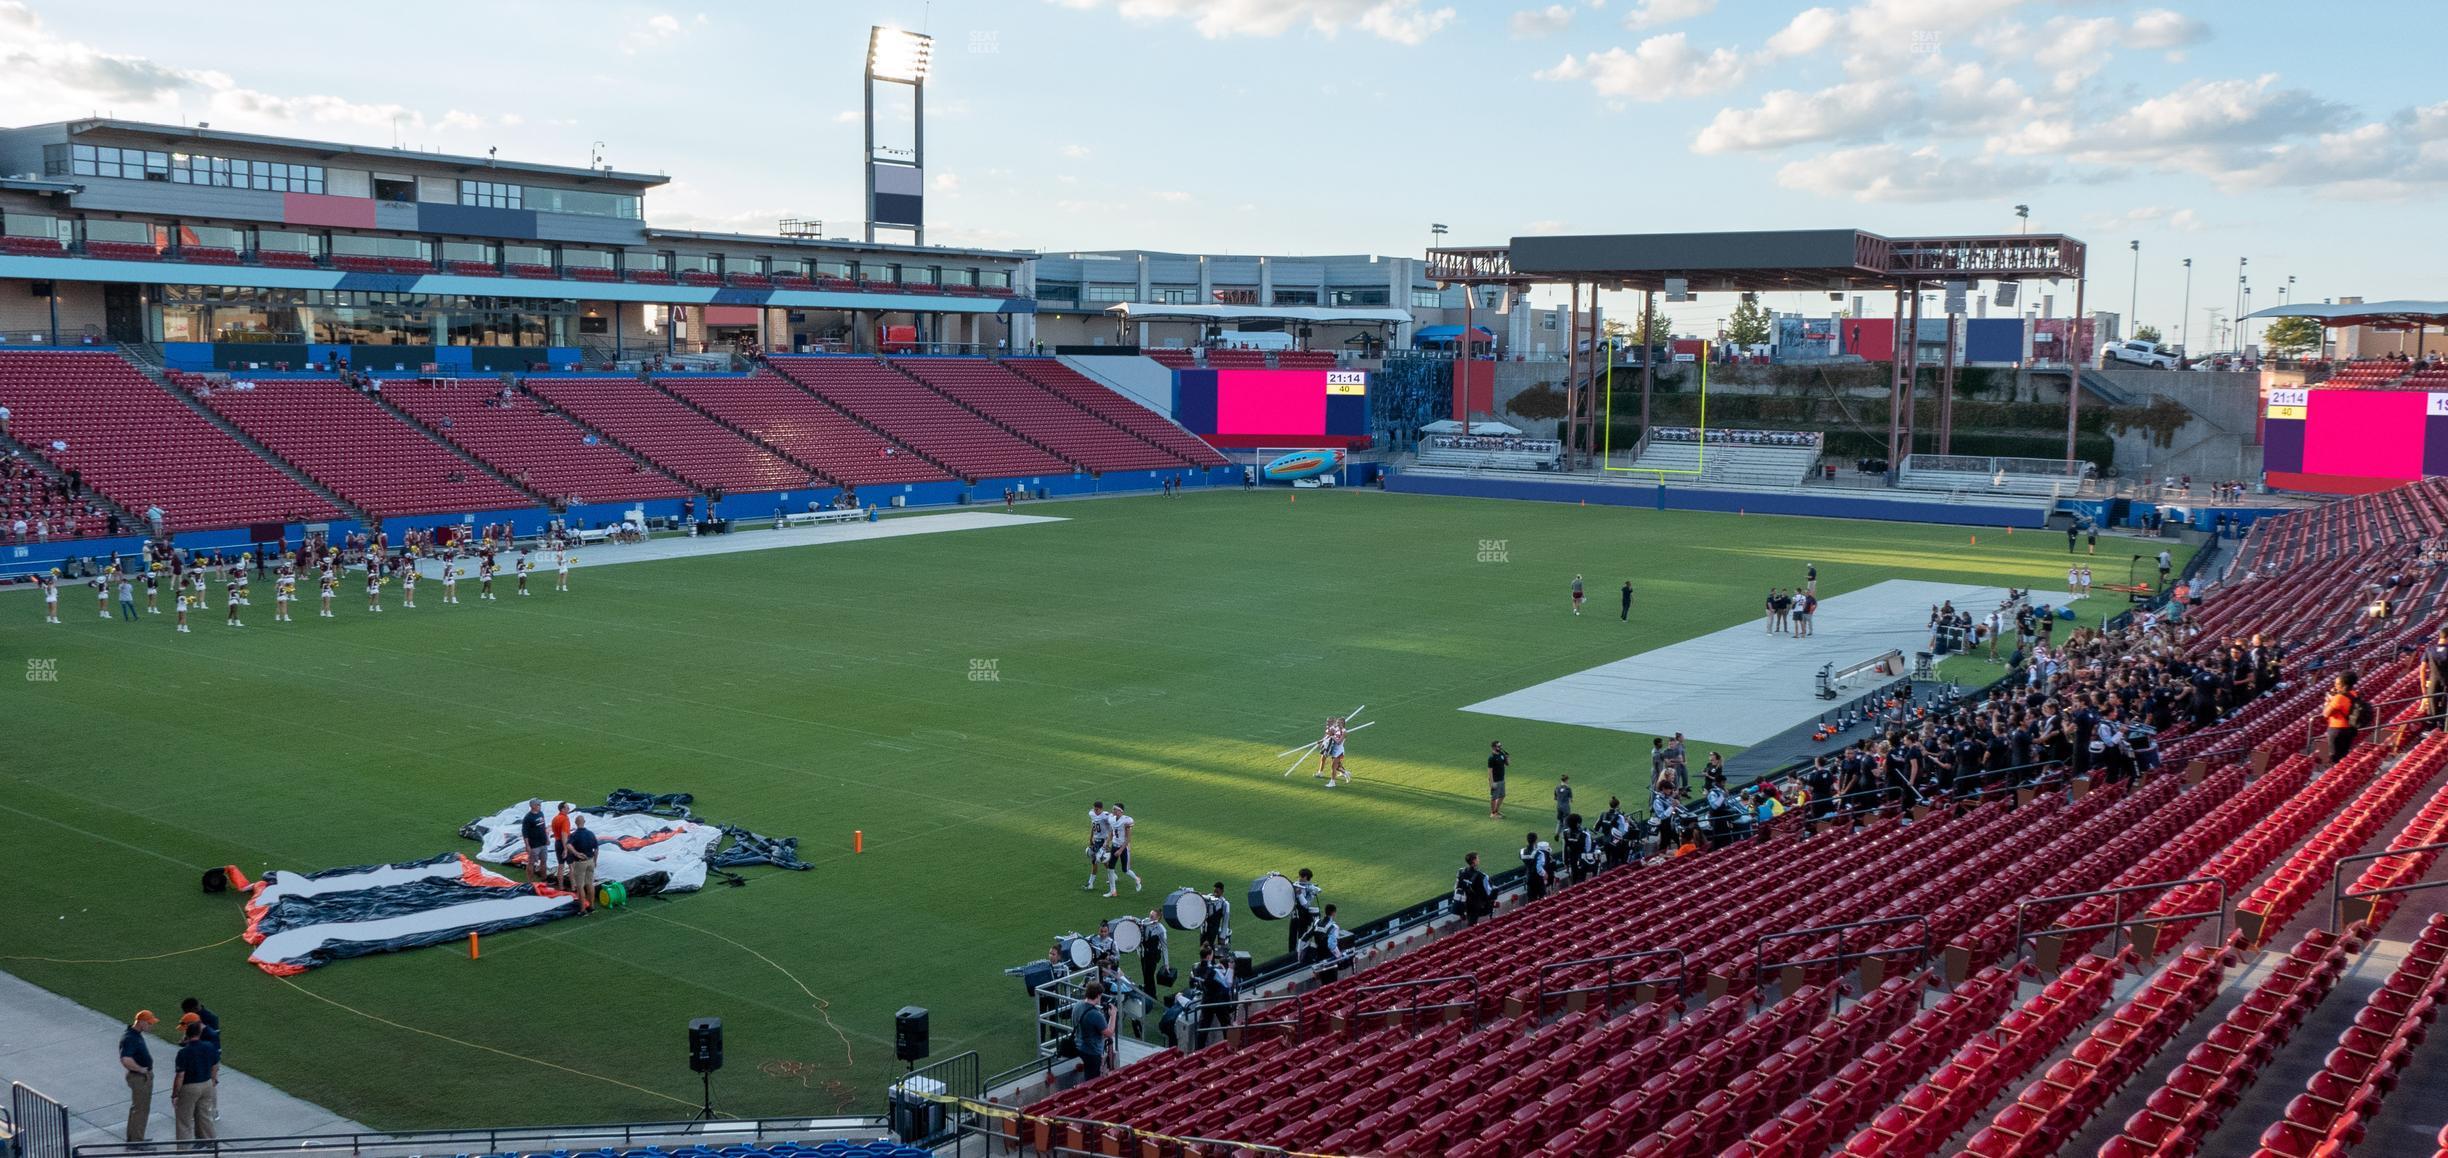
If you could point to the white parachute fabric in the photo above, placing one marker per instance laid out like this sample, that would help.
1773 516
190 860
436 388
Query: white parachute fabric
634 846
298 921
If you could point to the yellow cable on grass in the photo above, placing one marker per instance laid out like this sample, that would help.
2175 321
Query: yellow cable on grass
488 1049
123 960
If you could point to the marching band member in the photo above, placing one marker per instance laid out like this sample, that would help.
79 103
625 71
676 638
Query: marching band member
526 563
50 590
1304 907
1120 866
1100 837
1325 941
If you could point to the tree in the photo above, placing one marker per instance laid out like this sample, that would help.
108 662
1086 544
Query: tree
1628 331
2146 333
2292 335
1748 325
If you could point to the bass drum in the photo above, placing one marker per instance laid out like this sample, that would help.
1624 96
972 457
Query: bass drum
1185 909
1078 951
1127 935
1270 897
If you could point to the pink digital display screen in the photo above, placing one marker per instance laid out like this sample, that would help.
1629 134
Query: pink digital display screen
1270 402
2369 433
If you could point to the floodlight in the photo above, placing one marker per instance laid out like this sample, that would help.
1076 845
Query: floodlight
899 55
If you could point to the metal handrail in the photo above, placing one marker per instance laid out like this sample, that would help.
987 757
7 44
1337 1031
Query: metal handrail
1760 965
511 1139
2117 919
2339 894
1412 1011
1681 975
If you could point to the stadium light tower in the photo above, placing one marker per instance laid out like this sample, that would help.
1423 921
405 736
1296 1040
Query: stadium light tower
2184 324
896 178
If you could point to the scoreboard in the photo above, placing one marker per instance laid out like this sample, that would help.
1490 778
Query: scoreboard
1273 407
2346 441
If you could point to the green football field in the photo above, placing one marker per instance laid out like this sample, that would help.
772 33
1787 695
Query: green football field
1156 651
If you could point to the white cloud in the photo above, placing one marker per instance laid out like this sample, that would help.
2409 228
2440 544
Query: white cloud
1401 21
1852 111
1891 173
2162 29
1808 32
1652 13
652 31
947 182
1173 196
847 117
1542 21
1661 68
2185 221
1075 152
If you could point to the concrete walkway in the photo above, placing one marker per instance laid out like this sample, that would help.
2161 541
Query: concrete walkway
71 1054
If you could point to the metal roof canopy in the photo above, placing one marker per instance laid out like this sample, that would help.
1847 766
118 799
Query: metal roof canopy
176 135
1803 260
2396 314
1328 315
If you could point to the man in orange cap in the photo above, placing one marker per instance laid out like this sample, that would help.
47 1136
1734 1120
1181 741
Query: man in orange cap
136 1057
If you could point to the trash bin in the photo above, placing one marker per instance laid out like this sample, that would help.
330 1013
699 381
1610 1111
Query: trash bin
1830 468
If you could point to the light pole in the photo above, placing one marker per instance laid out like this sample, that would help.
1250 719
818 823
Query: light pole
2239 302
1436 234
2184 318
2024 212
2133 301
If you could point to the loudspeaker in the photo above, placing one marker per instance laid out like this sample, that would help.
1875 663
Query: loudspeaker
38 289
910 1033
216 880
705 1045
1242 970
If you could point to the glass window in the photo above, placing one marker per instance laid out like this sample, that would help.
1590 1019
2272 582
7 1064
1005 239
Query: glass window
586 258
394 189
157 167
476 251
696 263
734 263
288 241
127 232
830 267
917 275
1355 297
1295 297
996 278
787 266
646 259
1112 293
1057 291
210 237
878 273
527 255
1427 299
16 224
355 245
588 202
953 276
489 194
55 160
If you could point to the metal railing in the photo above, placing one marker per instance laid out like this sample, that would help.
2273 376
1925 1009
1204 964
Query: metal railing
1410 1012
516 1139
1761 965
38 1124
936 1101
2339 894
2117 919
1681 977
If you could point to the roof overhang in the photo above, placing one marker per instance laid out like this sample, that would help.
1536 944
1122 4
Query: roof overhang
1315 315
1831 260
2398 314
188 135
840 244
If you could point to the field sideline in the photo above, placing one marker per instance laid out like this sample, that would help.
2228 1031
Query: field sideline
1160 651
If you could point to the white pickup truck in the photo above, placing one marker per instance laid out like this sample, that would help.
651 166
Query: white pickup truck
2141 353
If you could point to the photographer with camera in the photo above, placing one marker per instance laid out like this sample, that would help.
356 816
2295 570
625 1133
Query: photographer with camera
1092 1022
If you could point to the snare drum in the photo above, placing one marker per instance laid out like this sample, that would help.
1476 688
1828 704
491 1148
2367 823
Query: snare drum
1270 897
1185 909
1127 935
1077 950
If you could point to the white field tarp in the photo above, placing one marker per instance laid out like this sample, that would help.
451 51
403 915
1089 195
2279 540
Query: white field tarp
634 845
298 921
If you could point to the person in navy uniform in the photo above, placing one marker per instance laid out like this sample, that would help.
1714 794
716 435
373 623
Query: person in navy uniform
136 1058
195 1087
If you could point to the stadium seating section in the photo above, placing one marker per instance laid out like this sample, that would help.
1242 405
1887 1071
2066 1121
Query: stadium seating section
528 442
346 441
806 429
1521 1035
140 446
1729 463
1102 401
681 441
1003 396
887 398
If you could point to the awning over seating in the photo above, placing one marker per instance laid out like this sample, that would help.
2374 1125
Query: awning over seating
1487 429
2400 314
1451 334
1317 315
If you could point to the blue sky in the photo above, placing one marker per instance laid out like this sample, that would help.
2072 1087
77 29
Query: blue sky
2276 132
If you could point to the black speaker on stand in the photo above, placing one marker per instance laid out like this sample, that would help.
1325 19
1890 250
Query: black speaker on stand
705 1055
910 1034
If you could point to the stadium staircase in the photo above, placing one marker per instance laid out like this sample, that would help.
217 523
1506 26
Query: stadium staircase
1104 402
1729 464
1703 1005
356 447
527 444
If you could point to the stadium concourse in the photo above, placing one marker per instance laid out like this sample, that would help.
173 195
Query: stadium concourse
2121 968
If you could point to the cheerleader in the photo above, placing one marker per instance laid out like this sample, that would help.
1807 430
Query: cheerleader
561 566
484 577
330 584
101 585
50 589
152 580
284 589
450 577
526 563
231 581
183 599
203 594
374 585
1330 748
244 581
230 600
408 578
